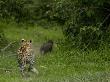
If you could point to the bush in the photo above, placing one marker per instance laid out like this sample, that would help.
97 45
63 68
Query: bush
87 26
15 10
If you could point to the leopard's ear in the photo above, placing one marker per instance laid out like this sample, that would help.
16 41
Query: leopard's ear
22 40
30 41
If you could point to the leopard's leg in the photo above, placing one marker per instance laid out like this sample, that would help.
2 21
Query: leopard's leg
21 67
31 62
22 70
32 68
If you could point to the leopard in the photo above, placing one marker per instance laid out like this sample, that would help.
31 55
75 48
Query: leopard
26 57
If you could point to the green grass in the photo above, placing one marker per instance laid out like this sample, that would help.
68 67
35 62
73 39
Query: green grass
58 66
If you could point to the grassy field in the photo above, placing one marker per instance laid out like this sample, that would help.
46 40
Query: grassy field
57 66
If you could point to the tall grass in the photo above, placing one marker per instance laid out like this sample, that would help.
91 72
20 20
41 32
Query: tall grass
70 65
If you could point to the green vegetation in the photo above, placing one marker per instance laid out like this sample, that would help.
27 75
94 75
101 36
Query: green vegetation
60 65
84 23
80 31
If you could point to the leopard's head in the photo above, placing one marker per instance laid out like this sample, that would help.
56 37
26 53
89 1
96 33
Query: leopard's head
26 43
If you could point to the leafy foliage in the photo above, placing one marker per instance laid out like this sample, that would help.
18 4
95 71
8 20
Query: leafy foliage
14 9
86 27
85 22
